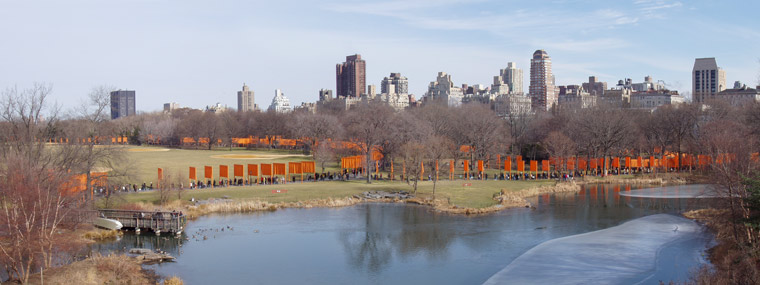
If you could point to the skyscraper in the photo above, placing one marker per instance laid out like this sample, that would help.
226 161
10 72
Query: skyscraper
707 79
280 103
350 77
394 84
245 100
542 91
513 77
122 103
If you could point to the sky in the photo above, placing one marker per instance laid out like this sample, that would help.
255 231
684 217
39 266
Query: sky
198 53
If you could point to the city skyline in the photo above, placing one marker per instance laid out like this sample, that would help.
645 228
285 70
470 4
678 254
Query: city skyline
198 53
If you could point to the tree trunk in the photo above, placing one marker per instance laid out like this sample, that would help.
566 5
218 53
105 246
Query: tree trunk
366 169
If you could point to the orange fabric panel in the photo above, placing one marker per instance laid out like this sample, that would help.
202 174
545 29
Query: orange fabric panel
616 162
76 184
466 166
480 166
266 169
593 162
224 171
533 166
376 154
99 178
451 166
308 167
238 170
545 165
279 168
253 170
193 173
582 163
508 164
208 172
520 165
295 167
627 162
570 164
160 174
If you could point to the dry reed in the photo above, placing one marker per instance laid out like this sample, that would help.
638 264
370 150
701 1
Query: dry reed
97 234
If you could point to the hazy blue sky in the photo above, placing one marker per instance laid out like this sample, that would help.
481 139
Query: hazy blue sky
197 53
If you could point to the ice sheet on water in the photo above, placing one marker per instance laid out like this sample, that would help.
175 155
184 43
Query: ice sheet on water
619 255
680 191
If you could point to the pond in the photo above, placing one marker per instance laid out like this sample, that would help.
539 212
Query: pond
379 243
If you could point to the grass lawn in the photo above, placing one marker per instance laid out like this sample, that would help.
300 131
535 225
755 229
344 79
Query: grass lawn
478 195
145 161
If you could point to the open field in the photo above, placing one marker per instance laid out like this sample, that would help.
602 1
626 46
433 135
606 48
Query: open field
144 161
478 195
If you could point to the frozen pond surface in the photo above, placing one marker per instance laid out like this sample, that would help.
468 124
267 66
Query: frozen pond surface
680 191
623 254
409 244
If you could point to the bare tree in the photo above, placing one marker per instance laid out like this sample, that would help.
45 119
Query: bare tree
210 128
368 125
680 123
607 126
728 144
314 128
560 147
324 154
160 126
438 148
479 128
35 180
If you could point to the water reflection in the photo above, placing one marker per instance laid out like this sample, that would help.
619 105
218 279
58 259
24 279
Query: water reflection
169 243
388 243
414 231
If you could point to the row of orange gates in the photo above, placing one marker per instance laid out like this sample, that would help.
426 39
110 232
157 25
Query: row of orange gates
559 165
246 171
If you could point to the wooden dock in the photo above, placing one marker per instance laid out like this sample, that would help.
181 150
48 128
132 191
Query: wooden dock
158 222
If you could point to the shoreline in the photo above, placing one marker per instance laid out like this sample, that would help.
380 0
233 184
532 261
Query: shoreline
505 200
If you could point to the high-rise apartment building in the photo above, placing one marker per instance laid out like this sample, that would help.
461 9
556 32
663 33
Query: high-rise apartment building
325 95
707 79
594 86
513 77
542 91
170 107
245 100
350 77
280 103
371 90
122 103
509 80
442 90
394 84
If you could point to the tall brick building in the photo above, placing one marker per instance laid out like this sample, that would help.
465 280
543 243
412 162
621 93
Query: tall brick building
350 77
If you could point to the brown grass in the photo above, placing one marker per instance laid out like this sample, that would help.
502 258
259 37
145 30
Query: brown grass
734 262
98 234
111 269
174 280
